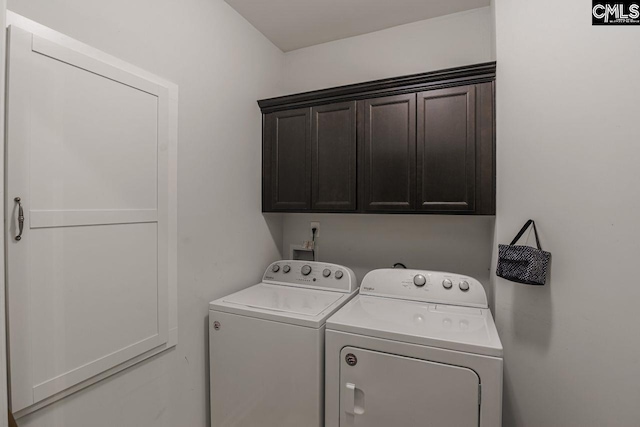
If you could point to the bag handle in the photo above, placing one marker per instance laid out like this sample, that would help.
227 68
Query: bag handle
535 231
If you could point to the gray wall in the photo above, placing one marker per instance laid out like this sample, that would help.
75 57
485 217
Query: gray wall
568 150
365 242
222 65
433 44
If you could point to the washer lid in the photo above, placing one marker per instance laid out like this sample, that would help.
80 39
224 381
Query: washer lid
286 299
466 329
305 307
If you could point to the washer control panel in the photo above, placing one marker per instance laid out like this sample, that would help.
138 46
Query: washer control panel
309 274
425 286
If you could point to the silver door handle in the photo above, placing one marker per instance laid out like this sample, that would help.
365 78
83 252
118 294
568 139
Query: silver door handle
20 218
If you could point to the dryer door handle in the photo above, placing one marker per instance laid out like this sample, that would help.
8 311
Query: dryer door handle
350 399
353 400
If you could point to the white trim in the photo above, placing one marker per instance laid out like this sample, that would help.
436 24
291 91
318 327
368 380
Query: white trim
172 341
4 392
44 219
66 41
68 56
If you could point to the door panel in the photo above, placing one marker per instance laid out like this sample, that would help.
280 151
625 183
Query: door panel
389 153
288 173
91 142
67 293
383 390
446 149
333 141
87 156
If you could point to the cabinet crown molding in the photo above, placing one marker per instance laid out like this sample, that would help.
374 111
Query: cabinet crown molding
468 74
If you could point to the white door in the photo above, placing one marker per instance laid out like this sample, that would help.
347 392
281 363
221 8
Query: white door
381 390
87 158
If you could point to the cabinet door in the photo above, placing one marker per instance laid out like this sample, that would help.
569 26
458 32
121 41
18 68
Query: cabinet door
333 142
389 149
287 160
446 149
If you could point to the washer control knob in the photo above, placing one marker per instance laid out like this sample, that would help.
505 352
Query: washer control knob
275 268
447 283
464 286
286 268
339 274
306 270
326 272
419 280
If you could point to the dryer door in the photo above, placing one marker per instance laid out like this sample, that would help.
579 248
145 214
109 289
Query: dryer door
381 390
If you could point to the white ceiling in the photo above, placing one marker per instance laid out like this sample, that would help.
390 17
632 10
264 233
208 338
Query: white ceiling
293 24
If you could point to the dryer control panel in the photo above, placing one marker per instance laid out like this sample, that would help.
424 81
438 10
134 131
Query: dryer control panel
310 274
426 286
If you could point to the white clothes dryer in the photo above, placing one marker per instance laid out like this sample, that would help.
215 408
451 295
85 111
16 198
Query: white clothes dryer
266 346
414 348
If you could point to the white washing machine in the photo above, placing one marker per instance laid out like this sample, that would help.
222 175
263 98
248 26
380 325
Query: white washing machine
414 348
266 346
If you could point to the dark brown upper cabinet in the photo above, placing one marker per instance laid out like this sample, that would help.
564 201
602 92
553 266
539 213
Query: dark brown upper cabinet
333 157
287 161
309 159
389 153
423 143
447 149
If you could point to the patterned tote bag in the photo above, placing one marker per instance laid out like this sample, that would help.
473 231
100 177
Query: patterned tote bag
523 264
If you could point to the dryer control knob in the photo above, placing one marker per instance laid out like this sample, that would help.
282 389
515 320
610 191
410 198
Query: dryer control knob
275 268
419 280
286 268
447 283
306 270
464 286
339 274
326 272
